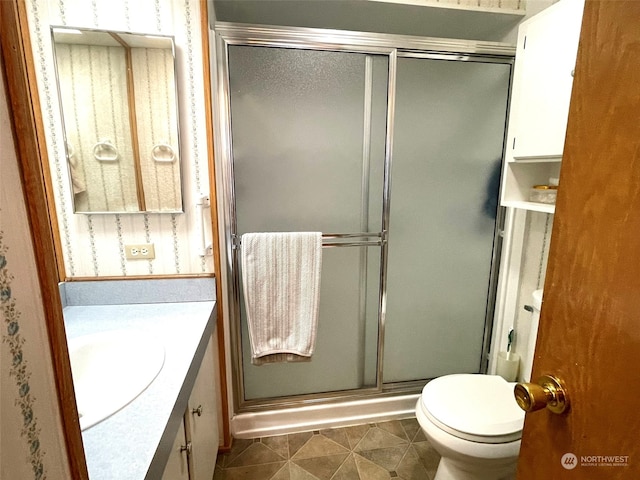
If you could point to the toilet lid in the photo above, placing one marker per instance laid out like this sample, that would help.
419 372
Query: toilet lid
474 407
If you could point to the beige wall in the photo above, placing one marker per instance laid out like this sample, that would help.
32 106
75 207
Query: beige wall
93 245
31 442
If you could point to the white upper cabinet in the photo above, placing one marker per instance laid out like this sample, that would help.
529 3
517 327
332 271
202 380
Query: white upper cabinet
545 61
541 93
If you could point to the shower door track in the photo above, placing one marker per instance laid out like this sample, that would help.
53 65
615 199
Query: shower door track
393 46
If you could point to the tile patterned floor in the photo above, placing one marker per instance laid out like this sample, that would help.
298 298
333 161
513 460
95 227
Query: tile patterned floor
396 449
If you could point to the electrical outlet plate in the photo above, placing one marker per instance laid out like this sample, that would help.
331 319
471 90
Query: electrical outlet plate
140 251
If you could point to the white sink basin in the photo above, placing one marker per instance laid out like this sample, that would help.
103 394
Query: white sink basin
110 370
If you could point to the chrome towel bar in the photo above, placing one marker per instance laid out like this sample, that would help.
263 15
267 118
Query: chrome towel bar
330 240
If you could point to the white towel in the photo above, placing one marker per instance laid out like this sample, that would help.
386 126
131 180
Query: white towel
281 281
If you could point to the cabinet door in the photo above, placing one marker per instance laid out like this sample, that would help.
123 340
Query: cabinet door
177 467
545 60
202 419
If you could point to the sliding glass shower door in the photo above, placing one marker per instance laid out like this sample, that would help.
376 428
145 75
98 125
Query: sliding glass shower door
448 142
396 156
308 135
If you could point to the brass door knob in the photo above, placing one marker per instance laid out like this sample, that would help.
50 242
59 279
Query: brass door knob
548 391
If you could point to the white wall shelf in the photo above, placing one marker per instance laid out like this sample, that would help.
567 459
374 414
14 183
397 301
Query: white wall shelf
533 206
506 7
465 20
520 176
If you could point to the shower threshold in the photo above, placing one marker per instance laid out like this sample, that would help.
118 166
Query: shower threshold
315 417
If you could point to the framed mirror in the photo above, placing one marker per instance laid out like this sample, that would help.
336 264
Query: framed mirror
120 118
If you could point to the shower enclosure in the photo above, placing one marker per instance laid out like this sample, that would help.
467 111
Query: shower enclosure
391 146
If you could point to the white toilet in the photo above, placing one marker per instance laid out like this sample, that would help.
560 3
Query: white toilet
474 422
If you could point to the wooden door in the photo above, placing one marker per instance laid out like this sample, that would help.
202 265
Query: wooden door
590 323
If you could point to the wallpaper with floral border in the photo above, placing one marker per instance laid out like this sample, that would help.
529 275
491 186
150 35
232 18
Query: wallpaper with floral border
19 369
32 444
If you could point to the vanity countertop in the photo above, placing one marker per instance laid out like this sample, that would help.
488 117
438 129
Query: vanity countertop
134 443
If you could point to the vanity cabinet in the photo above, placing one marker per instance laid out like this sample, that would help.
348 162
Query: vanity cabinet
194 452
541 93
201 420
177 467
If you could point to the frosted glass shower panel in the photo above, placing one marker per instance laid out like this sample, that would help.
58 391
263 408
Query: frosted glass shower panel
449 130
345 357
308 145
298 132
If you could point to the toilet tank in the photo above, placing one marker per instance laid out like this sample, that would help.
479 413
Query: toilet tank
536 299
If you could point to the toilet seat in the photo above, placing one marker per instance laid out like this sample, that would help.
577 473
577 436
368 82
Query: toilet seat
478 408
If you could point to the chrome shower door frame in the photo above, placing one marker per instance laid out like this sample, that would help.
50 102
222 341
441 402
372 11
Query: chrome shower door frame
392 46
